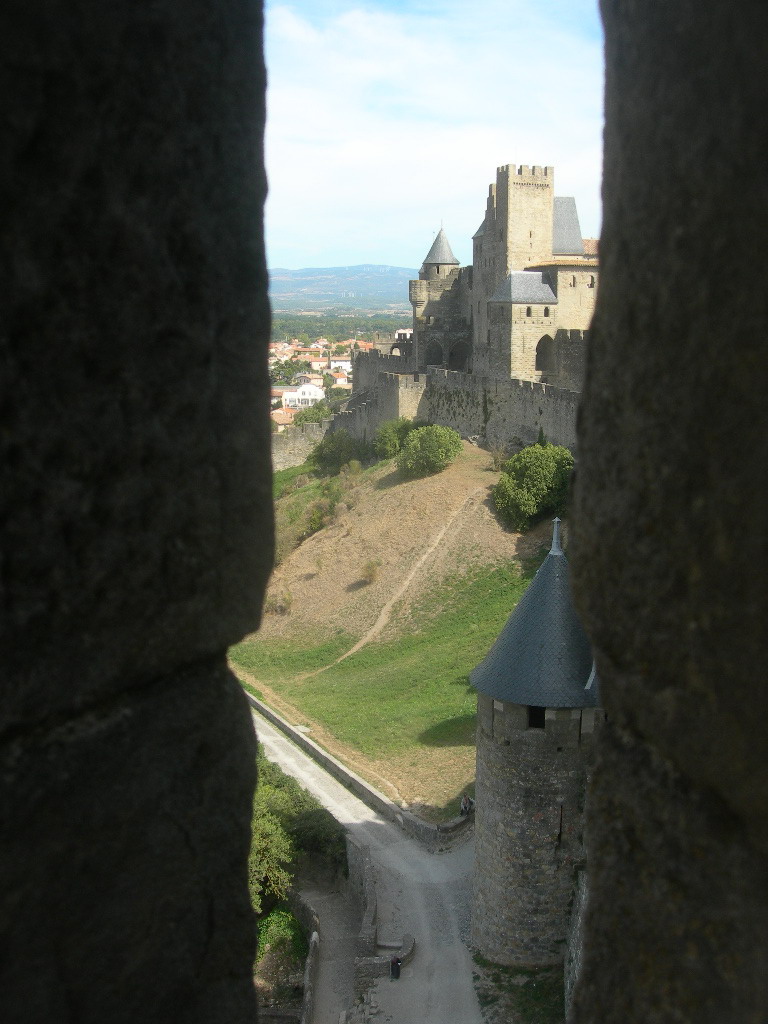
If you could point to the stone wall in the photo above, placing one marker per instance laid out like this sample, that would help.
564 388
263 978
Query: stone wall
294 445
528 832
668 531
499 410
504 412
136 508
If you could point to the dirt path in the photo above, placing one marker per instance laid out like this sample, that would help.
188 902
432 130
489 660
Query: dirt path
384 615
424 894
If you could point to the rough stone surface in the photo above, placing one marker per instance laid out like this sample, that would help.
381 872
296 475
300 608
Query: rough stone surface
668 541
135 505
528 831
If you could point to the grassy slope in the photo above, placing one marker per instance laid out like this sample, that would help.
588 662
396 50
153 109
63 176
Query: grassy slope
405 703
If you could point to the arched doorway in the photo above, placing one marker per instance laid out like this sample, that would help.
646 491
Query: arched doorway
545 356
458 358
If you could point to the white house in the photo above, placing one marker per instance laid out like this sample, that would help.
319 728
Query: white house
339 363
303 396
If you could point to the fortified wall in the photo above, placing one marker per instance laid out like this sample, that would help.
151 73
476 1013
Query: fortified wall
501 411
293 446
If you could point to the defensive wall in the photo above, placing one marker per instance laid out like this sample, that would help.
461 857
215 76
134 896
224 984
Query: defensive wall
293 446
502 411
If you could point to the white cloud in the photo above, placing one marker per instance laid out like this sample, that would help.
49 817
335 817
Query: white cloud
383 120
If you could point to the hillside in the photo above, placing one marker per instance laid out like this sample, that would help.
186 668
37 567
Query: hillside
398 708
364 287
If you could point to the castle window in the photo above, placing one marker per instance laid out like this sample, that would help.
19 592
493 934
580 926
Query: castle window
592 281
488 341
536 717
573 281
438 270
546 311
528 311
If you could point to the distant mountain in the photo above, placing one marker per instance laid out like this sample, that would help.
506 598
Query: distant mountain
366 287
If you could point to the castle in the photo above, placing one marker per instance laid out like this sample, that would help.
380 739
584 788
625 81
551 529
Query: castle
498 347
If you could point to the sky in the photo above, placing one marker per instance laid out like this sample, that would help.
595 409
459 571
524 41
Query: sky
388 118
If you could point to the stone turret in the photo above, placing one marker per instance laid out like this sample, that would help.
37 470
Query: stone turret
438 325
537 711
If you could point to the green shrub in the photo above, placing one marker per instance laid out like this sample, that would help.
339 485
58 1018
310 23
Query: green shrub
428 450
370 571
280 929
270 859
311 829
314 414
534 483
391 436
336 449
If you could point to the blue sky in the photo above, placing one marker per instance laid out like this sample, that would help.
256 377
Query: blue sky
386 118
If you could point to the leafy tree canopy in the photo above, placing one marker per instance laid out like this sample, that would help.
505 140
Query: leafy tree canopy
314 414
428 450
283 371
337 449
534 483
390 437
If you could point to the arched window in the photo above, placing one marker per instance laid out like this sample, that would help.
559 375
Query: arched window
546 311
528 311
592 281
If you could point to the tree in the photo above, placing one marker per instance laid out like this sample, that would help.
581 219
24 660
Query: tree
390 437
283 371
314 414
534 483
336 449
271 853
428 450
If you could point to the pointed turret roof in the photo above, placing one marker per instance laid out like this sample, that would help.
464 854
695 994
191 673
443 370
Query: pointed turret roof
441 251
542 656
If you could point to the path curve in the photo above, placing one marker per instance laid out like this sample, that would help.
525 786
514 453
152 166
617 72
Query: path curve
424 894
386 611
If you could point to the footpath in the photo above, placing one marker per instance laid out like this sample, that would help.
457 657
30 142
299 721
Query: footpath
426 895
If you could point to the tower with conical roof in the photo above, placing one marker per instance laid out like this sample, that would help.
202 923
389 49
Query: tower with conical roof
441 335
538 706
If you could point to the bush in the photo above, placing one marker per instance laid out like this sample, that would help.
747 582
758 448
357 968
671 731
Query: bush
391 436
370 571
336 449
270 859
534 483
311 829
428 450
280 929
278 604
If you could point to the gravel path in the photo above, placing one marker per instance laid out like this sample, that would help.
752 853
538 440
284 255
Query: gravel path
417 892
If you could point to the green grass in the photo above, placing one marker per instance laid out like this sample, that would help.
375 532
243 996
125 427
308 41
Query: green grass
529 996
402 694
283 479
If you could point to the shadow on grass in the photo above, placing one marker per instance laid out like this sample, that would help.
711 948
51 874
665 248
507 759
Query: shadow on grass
450 809
392 479
451 732
357 585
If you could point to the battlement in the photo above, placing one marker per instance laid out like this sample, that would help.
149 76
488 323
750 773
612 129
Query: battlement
525 171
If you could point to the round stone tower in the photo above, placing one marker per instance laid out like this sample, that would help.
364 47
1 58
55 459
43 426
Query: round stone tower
537 712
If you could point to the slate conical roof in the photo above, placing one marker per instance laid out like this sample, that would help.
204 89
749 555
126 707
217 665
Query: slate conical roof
542 656
441 251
